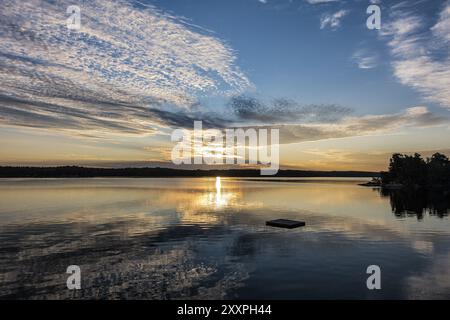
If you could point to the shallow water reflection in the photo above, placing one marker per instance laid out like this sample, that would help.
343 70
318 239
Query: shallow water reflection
206 238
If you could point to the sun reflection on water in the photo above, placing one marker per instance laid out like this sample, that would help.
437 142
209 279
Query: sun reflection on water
219 197
218 184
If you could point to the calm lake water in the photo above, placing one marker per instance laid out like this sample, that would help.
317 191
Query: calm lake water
197 238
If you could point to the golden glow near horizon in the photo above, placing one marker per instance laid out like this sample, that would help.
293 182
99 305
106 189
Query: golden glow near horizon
368 153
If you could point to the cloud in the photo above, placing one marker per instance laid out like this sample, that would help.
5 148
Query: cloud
421 54
125 64
332 20
442 28
246 108
297 122
419 117
103 119
365 59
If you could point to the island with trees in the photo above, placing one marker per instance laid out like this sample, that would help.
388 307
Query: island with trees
416 186
412 171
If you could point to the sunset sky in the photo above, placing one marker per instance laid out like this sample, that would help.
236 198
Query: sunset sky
110 94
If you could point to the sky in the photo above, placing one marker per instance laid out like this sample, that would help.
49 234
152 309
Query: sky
344 97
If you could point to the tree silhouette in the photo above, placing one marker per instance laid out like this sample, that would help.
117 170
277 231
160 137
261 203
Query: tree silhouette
438 170
414 171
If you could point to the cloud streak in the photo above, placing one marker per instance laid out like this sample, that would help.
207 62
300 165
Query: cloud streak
421 55
333 20
111 75
282 110
418 117
365 59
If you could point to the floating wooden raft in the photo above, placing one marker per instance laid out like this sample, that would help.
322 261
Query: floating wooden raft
285 223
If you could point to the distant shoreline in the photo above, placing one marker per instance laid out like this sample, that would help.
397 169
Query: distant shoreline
89 172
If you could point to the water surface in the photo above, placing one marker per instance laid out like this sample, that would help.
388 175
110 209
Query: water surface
195 238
